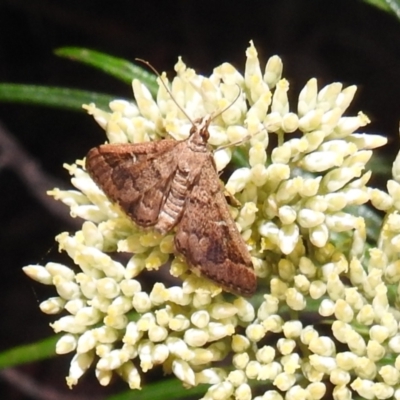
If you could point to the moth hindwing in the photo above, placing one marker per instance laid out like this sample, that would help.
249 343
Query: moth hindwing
168 183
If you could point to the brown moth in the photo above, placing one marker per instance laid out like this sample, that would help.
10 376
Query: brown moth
169 183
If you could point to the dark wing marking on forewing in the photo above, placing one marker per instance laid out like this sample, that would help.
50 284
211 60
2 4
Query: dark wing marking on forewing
206 218
136 176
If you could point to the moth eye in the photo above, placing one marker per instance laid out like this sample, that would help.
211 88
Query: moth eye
205 134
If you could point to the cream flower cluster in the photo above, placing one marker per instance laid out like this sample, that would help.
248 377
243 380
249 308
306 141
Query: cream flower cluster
325 319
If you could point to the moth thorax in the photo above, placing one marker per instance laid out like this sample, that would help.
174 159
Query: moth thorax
199 136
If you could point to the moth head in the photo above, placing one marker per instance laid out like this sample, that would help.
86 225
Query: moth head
199 130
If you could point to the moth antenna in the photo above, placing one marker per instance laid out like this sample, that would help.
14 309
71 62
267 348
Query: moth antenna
178 105
229 105
243 140
166 87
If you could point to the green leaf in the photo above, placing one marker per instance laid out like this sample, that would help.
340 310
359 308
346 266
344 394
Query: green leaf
117 67
239 158
29 353
52 96
387 5
380 165
167 389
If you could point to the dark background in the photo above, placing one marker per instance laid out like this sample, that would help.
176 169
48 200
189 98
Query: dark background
345 41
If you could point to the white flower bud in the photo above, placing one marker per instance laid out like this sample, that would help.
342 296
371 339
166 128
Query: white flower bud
159 294
130 374
255 332
238 180
345 97
291 363
108 288
86 342
328 95
66 344
365 368
339 377
257 155
308 97
144 100
79 365
284 381
319 161
296 392
394 343
116 321
129 287
382 391
67 324
343 311
106 334
240 343
53 305
287 214
252 369
355 342
337 178
322 345
59 269
273 71
210 376
330 120
285 346
319 235
288 238
269 371
132 333
295 300
157 333
68 290
177 296
308 334
222 158
182 371
375 351
302 284
243 392
179 323
326 308
290 122
322 363
218 330
317 290
366 315
316 390
39 274
273 323
347 125
141 302
196 337
347 360
390 375
240 360
310 218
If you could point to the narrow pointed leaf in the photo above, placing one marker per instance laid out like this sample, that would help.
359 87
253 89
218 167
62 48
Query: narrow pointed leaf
387 5
28 353
167 389
117 67
52 96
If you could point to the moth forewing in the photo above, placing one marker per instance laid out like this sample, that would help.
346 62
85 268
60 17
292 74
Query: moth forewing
170 183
